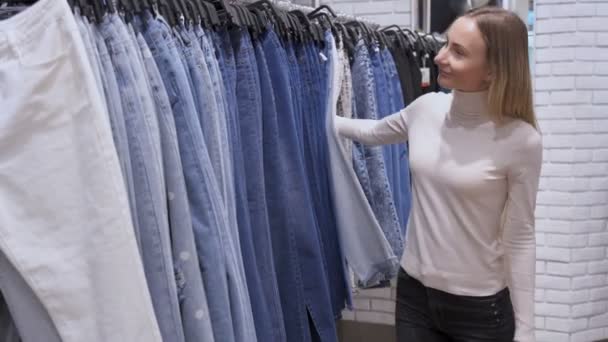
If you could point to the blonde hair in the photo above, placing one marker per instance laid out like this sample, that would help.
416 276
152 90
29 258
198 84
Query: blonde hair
506 38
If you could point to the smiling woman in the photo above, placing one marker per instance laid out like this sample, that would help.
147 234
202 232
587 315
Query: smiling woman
475 157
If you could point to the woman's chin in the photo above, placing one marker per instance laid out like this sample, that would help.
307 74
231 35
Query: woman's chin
444 82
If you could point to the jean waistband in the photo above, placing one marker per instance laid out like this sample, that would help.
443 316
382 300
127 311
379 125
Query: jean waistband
32 22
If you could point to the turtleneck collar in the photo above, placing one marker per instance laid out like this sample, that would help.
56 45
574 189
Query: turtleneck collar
470 107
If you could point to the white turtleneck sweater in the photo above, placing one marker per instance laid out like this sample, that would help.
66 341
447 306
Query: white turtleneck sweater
474 185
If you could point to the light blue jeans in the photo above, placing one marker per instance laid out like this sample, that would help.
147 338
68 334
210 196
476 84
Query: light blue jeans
382 200
143 132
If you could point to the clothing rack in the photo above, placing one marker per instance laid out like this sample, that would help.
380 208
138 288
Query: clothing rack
341 17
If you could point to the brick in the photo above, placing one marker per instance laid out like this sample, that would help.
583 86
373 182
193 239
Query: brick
553 310
569 213
540 267
383 305
554 198
553 226
588 254
566 240
348 315
553 254
374 7
573 39
588 309
600 97
552 336
568 184
598 321
598 239
600 69
588 226
588 335
595 24
543 70
552 282
558 170
559 25
555 55
599 111
599 183
382 293
565 324
589 141
591 54
375 317
557 112
579 68
598 267
586 112
566 269
539 295
541 41
361 304
601 39
602 9
587 282
559 141
599 212
539 322
600 126
589 198
582 82
567 297
598 293
571 97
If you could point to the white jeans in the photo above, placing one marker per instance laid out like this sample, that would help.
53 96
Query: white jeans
64 217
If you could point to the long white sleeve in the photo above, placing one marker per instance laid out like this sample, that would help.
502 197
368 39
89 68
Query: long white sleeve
390 130
518 236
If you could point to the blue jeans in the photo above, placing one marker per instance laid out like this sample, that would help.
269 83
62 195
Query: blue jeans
295 245
401 165
209 218
191 291
255 243
363 243
117 120
142 130
382 199
312 70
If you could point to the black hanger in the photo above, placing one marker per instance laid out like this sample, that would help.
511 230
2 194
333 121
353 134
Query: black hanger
280 24
320 8
212 12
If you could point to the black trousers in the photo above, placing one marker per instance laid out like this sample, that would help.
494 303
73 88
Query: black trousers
429 315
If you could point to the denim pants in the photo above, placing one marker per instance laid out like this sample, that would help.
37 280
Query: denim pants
391 153
75 249
221 278
142 131
295 245
428 315
117 119
363 243
402 188
246 322
191 291
316 159
255 243
367 108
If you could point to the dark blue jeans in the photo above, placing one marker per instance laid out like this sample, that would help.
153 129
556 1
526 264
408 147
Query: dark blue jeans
314 81
296 245
256 245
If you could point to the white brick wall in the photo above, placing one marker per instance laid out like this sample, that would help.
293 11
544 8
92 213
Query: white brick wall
382 12
572 230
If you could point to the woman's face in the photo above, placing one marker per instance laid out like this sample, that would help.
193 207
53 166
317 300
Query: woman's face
462 61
